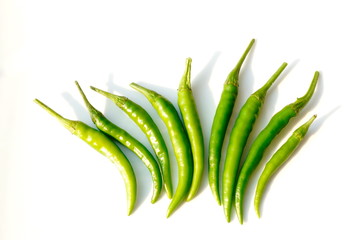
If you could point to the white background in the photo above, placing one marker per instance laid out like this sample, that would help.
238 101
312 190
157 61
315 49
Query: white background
53 186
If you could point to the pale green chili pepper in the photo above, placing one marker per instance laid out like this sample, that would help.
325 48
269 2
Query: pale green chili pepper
106 147
180 143
278 159
193 126
123 137
145 122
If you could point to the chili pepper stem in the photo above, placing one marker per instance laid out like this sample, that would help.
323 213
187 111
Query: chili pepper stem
309 122
119 100
146 92
68 124
302 101
273 78
93 112
185 81
233 75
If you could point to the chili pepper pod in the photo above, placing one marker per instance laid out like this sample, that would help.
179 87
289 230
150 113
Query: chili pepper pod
192 123
106 147
278 159
220 123
238 138
264 139
145 122
179 140
123 137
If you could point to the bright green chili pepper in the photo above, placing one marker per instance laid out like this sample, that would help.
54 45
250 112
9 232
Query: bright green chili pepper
193 126
145 122
179 139
279 158
106 147
220 123
238 139
122 136
264 139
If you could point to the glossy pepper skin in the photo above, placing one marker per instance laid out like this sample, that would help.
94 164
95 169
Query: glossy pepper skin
100 142
123 137
278 159
220 124
238 139
264 139
192 123
180 143
145 122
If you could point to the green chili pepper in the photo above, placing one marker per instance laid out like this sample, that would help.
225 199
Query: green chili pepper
220 124
179 139
145 122
106 147
193 126
238 139
279 158
264 139
122 136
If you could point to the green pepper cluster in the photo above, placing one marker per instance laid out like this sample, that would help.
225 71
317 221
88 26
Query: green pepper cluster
186 135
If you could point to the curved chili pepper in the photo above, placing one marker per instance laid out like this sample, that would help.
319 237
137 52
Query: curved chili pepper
123 137
238 139
180 143
145 122
193 126
106 147
220 124
278 159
